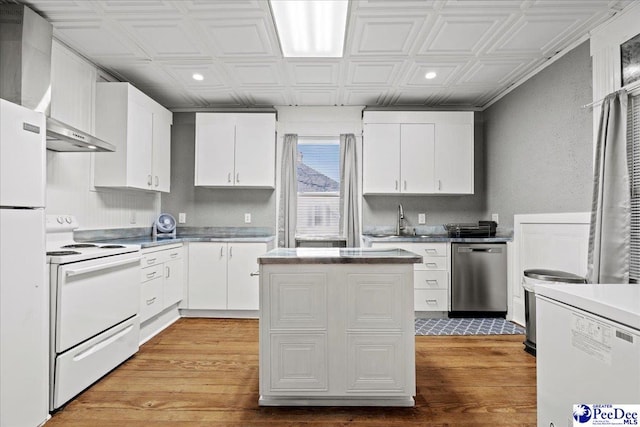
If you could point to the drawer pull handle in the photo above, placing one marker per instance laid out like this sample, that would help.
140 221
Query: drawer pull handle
149 180
431 251
257 273
396 184
173 255
150 275
221 251
431 301
151 301
229 177
431 264
238 177
168 272
431 282
151 261
157 181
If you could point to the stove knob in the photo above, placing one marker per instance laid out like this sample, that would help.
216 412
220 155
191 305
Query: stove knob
60 220
69 220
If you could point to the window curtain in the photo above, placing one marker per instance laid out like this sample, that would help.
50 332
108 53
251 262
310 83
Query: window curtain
349 217
609 234
287 217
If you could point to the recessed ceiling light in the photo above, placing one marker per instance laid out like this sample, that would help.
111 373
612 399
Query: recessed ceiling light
430 75
310 28
197 76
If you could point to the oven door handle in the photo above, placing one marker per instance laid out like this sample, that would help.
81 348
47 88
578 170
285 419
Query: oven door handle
93 268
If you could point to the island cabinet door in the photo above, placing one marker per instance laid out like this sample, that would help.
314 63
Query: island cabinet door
294 326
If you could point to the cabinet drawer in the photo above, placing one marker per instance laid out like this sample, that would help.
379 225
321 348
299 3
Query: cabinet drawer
433 263
436 249
431 249
424 279
150 273
150 258
430 300
171 254
151 298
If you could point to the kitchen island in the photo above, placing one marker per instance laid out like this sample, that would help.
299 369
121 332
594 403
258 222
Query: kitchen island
337 327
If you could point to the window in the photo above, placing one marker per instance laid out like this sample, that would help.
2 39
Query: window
633 147
318 170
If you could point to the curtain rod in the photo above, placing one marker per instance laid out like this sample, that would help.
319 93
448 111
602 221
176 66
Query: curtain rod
591 104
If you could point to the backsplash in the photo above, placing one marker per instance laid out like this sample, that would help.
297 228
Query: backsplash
69 191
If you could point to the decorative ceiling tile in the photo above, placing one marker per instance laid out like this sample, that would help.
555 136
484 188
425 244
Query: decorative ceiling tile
213 76
385 36
239 37
96 40
164 38
372 73
492 73
307 73
146 74
373 96
460 34
312 97
445 73
255 74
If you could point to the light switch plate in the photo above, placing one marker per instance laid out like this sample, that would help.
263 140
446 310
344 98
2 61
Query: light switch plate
132 218
182 217
247 218
422 218
494 217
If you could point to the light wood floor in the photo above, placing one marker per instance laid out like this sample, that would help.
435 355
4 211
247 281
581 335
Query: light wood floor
205 372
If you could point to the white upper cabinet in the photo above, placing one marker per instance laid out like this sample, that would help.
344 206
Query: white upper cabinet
235 150
418 153
140 128
73 88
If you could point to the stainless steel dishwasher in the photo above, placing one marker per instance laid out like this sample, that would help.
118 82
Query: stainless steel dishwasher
479 279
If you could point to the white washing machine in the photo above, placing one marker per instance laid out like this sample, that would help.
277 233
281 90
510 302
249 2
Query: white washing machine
588 352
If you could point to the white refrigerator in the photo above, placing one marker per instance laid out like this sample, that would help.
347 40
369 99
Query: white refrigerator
24 294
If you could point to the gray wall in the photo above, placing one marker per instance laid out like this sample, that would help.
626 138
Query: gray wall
209 206
382 210
538 142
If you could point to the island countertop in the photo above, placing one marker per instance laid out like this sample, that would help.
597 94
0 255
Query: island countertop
339 256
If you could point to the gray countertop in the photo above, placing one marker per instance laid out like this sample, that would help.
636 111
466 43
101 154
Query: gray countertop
368 239
339 256
143 237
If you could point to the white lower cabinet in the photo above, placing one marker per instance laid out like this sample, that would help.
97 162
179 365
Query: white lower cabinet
336 335
431 280
162 279
224 275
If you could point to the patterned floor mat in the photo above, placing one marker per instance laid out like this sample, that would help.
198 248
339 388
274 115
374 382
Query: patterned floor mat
467 326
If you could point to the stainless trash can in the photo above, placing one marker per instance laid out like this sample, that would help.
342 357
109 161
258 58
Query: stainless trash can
531 278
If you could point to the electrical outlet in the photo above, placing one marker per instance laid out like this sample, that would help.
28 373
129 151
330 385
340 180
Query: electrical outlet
422 218
494 217
132 218
182 217
247 218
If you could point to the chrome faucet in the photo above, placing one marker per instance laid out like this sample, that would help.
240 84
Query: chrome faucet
400 225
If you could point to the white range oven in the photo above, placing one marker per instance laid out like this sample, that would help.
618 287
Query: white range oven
94 295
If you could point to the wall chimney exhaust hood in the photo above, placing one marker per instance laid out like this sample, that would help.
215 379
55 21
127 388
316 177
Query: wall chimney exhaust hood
25 75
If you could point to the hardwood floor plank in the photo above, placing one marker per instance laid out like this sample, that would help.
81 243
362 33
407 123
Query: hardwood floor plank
204 372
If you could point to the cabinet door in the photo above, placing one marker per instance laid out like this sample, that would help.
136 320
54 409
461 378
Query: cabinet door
208 276
255 150
73 85
139 146
215 142
243 284
417 158
161 153
381 158
454 158
173 281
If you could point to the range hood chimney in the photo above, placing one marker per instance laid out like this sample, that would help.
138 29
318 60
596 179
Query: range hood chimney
25 75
